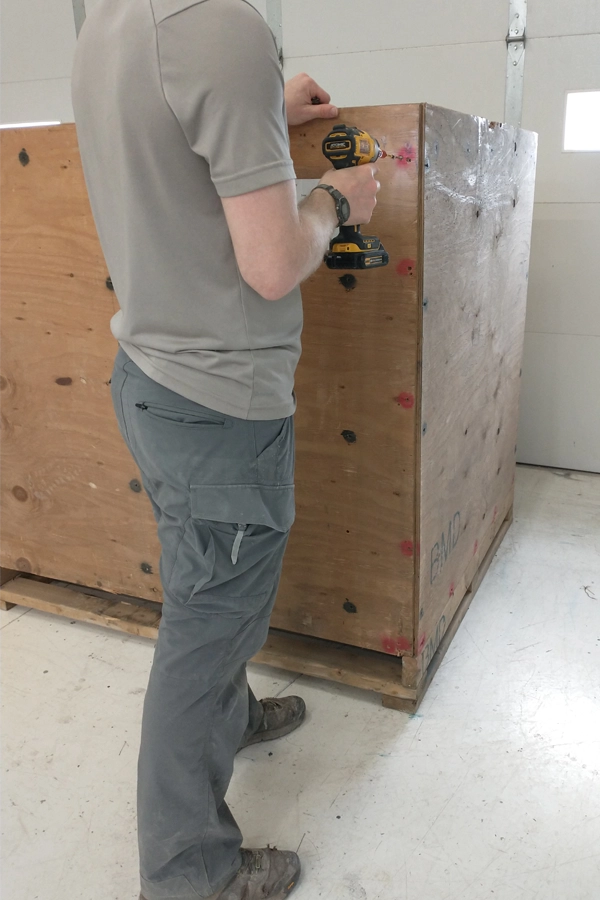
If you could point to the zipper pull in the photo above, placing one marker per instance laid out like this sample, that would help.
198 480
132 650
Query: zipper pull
141 405
236 544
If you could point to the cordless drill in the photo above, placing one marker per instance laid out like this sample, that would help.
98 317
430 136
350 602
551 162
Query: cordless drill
347 146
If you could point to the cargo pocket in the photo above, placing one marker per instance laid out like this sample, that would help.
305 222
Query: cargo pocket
248 527
245 528
242 506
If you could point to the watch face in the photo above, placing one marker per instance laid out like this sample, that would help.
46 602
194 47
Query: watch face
344 209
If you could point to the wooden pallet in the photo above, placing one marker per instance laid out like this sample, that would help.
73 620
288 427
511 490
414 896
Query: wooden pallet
365 669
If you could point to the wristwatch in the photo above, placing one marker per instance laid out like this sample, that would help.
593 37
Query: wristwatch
342 206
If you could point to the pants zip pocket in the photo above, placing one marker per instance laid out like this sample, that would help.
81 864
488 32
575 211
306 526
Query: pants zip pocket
237 542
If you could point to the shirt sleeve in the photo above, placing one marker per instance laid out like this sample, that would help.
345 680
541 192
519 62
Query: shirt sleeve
221 77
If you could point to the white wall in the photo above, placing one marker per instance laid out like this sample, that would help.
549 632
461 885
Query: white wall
452 54
393 51
38 41
37 44
560 405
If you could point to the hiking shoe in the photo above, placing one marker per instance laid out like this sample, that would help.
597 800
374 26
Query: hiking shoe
264 875
280 717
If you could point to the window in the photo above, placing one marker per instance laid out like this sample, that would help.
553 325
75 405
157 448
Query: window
582 121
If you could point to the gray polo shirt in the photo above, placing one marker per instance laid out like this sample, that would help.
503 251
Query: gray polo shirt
177 104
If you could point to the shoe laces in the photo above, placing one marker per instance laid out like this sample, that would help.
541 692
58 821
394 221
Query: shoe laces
251 861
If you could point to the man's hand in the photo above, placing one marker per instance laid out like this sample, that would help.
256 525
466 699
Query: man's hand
360 186
301 96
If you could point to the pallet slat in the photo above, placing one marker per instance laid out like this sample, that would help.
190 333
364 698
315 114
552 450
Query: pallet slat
62 601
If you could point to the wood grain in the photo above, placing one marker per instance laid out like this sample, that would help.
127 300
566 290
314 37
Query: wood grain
69 512
478 206
355 501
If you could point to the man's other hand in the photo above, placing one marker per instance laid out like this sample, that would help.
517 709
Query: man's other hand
301 96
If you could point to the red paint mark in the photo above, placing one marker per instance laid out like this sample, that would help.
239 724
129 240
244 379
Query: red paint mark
407 548
406 267
495 513
421 643
388 643
405 156
406 400
475 548
395 645
451 591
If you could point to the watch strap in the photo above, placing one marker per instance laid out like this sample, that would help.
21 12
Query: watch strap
338 198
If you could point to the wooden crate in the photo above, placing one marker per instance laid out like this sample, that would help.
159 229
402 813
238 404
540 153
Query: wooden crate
407 398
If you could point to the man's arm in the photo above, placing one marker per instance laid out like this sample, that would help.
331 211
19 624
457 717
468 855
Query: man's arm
278 244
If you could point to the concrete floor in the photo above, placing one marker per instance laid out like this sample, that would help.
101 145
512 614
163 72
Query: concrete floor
491 791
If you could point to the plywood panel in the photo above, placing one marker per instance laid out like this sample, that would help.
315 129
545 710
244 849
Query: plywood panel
559 423
68 509
464 76
478 201
564 275
553 67
311 27
355 501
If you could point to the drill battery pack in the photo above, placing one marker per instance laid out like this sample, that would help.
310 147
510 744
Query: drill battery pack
363 251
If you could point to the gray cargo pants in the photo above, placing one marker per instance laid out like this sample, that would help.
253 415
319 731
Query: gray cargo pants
222 493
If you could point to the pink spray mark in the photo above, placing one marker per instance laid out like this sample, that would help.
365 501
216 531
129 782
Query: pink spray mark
406 400
475 548
405 156
421 643
406 267
451 591
395 645
407 548
388 643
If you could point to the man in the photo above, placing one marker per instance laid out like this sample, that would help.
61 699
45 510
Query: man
181 118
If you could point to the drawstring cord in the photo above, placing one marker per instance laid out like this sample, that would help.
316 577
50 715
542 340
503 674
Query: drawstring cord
236 544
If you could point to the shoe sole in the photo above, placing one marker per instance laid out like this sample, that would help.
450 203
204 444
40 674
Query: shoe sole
276 733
